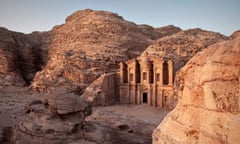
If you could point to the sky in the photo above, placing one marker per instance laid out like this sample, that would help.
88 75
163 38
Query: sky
41 15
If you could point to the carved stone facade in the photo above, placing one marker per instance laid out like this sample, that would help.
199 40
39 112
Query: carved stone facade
146 80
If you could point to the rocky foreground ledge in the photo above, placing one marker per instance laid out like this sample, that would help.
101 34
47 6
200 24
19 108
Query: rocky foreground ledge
67 118
208 110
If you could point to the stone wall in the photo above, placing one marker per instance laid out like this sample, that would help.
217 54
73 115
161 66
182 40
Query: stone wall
103 91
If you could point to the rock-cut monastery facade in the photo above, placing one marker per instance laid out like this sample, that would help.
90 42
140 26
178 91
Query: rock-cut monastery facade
147 80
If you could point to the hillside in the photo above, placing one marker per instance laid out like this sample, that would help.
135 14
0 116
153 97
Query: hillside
21 56
182 46
91 43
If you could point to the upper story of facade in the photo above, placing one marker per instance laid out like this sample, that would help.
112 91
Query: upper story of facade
147 70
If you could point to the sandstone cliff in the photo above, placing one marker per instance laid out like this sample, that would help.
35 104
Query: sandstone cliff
182 46
21 56
179 47
208 110
91 43
235 34
103 91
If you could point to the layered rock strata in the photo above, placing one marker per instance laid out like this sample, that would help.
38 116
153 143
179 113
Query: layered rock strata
91 43
61 118
182 46
208 110
177 48
21 56
103 91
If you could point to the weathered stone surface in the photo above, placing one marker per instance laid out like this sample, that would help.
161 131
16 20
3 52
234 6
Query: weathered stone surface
20 57
124 124
8 75
43 126
177 48
91 43
235 34
139 130
182 46
103 91
64 103
208 110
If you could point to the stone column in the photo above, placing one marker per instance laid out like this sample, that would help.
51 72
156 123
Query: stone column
145 65
149 97
127 97
121 72
128 74
138 94
154 75
133 94
154 95
132 70
170 72
134 66
159 98
161 74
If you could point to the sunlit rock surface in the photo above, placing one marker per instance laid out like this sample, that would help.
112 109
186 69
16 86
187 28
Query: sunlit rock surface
91 43
208 110
182 46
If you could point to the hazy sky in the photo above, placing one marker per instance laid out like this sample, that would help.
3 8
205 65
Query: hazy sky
40 15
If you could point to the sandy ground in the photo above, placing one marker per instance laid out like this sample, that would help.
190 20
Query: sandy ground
142 112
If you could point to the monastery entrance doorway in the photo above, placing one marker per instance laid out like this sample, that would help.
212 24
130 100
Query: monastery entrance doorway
144 98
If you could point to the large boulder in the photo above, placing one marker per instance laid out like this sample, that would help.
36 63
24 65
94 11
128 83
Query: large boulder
62 103
208 110
40 125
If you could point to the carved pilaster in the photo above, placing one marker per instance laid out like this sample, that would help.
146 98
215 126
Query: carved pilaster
170 70
121 72
161 72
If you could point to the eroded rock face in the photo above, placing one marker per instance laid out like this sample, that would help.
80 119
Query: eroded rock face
235 34
91 43
103 91
208 110
21 56
138 130
61 103
8 73
67 125
182 46
178 47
